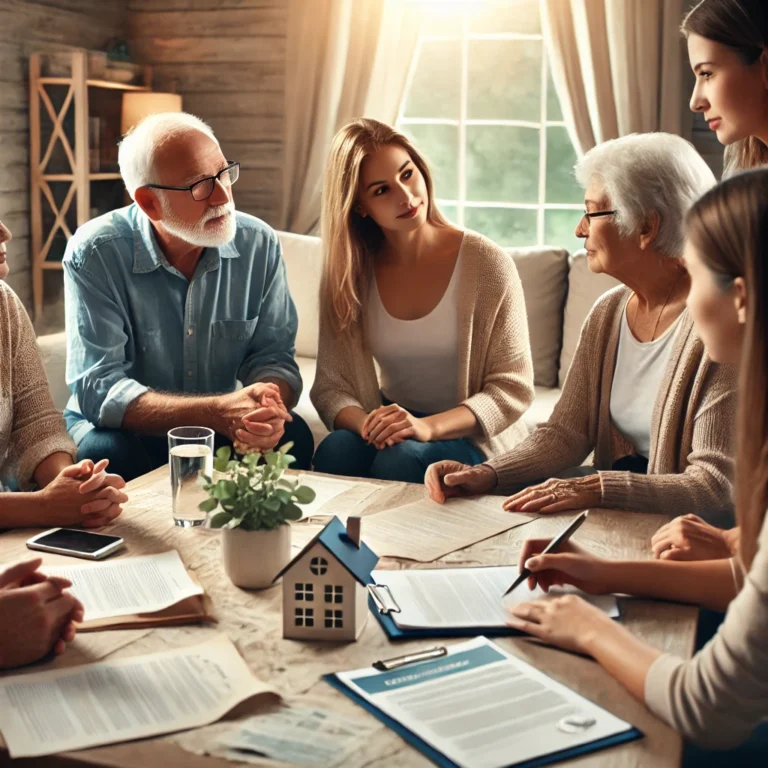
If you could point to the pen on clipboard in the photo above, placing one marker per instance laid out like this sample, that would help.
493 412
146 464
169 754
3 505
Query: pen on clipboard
553 545
410 658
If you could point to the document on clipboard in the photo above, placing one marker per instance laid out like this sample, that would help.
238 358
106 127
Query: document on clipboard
461 598
476 706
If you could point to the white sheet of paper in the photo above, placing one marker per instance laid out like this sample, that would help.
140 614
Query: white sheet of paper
64 709
467 597
297 735
328 489
425 530
482 707
130 585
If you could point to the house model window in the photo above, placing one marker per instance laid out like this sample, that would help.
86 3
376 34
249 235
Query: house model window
305 617
334 594
318 566
334 619
305 592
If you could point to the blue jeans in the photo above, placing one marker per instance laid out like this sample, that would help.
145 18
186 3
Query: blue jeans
131 455
346 453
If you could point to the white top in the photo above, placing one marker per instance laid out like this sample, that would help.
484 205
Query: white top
639 370
418 359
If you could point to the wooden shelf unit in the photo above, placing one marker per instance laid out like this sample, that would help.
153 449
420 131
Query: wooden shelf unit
75 146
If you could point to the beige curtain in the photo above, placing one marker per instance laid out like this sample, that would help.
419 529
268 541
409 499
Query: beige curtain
346 59
616 65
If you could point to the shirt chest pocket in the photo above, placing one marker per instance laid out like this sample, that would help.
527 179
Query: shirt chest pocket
230 340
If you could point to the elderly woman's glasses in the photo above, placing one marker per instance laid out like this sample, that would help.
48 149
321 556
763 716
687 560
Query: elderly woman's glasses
203 189
596 215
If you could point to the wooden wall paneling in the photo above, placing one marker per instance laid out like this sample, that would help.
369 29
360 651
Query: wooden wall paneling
202 50
204 5
223 77
224 23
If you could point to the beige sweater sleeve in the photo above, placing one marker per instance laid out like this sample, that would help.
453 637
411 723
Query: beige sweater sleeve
38 428
568 437
718 697
507 384
704 486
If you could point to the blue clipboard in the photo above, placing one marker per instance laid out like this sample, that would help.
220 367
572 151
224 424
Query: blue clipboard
394 632
439 759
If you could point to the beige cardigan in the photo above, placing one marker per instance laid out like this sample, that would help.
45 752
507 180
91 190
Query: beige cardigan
718 697
690 467
494 355
31 429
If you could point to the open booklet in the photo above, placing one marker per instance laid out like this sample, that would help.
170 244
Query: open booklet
60 710
148 590
462 598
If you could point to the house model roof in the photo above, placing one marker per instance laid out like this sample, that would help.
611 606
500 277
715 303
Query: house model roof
359 561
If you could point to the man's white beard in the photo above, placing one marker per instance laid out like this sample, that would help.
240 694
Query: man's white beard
199 234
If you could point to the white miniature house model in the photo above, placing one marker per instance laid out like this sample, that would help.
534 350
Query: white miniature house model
324 586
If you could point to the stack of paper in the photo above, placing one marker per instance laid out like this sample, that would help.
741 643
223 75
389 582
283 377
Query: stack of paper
149 590
65 709
347 496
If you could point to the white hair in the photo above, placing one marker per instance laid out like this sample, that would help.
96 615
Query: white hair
137 149
643 173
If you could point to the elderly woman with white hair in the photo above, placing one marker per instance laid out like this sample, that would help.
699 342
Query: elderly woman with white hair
641 391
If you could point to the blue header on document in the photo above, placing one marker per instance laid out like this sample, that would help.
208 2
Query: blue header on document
445 667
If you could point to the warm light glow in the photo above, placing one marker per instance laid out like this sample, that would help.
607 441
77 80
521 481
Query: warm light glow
138 104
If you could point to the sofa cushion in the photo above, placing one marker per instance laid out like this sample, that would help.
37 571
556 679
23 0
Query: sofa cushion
53 351
544 275
305 409
584 289
303 257
542 407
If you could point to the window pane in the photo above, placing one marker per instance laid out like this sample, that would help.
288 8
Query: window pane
554 110
504 80
505 226
502 164
440 145
435 89
559 229
561 157
449 212
521 16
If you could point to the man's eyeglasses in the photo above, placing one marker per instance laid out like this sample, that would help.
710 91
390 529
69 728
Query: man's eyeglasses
596 215
203 189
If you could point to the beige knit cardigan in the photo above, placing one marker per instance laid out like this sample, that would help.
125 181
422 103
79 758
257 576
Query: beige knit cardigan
31 429
690 467
494 355
720 695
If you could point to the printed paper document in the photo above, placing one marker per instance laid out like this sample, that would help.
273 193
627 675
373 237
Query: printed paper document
65 709
130 585
483 708
466 597
329 489
426 530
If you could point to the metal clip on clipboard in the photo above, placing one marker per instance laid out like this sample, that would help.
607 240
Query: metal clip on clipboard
382 597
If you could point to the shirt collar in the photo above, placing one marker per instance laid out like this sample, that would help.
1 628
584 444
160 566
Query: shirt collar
147 255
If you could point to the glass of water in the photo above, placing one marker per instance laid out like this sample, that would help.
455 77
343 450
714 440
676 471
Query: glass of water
190 452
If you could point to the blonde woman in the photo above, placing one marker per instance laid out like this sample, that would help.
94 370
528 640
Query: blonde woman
438 309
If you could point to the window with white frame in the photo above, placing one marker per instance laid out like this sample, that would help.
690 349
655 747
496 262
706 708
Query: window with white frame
481 105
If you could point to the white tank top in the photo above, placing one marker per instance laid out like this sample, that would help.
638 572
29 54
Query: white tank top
640 367
418 359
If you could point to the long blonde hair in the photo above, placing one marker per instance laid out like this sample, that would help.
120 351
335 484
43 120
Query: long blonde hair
729 229
351 241
742 26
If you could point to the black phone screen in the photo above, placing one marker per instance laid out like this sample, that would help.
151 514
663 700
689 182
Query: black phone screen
77 541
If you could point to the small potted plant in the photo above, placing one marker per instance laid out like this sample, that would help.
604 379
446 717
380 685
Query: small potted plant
255 503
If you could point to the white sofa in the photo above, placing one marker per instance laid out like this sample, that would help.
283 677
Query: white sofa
559 292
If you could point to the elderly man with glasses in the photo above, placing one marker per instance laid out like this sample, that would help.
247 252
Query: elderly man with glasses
171 302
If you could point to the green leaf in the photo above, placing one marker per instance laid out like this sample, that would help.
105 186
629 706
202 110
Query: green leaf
208 505
288 460
252 460
272 458
273 504
220 520
225 490
220 465
292 512
283 449
304 494
224 453
283 495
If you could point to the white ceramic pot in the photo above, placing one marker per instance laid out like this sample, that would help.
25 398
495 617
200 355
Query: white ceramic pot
253 558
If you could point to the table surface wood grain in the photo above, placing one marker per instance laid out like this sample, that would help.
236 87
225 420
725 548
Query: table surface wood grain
252 620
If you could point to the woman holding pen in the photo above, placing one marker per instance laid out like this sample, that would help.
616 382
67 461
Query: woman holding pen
717 698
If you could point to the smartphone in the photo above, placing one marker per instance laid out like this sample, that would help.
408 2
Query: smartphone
76 543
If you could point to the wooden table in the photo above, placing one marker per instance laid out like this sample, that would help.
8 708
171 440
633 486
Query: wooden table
252 620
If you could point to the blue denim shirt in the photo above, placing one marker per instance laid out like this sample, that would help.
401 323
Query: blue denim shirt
135 323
